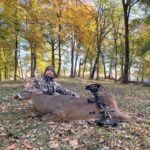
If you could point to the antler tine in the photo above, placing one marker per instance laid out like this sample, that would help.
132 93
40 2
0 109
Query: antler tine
23 79
29 79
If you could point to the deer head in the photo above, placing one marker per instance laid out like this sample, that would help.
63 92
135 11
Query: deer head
30 87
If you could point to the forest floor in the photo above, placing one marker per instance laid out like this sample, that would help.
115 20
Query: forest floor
20 129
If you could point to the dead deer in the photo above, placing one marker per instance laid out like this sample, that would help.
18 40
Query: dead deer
64 107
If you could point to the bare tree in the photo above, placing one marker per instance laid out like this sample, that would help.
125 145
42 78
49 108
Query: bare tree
127 5
103 27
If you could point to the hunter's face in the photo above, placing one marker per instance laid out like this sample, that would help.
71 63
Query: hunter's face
49 73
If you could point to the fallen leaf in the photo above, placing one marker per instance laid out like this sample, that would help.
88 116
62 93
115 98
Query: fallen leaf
105 148
27 146
54 146
81 147
66 139
11 147
74 143
71 131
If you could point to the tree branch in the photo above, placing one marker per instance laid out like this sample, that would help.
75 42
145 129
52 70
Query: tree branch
130 6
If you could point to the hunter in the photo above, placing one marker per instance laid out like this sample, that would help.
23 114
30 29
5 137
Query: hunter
51 87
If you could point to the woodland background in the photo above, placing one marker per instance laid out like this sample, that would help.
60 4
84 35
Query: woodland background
100 38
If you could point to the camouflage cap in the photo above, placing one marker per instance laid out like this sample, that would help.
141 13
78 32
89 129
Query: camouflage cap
52 69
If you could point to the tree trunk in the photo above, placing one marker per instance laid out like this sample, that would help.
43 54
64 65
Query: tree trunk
0 75
143 74
59 54
122 60
84 69
32 63
95 62
59 15
98 49
85 61
131 59
33 60
126 8
53 54
5 73
72 56
126 67
99 52
16 44
91 68
103 62
75 67
116 59
97 77
138 75
110 68
115 36
20 63
52 44
16 58
94 67
80 62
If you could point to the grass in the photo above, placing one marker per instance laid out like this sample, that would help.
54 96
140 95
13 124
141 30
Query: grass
19 126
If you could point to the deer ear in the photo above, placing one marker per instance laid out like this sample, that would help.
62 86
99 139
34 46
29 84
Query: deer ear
28 85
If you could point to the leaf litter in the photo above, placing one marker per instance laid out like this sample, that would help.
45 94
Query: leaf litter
20 128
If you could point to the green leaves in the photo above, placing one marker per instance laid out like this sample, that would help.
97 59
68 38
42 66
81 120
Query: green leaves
145 47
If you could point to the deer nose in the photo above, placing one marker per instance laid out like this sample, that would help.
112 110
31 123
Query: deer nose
16 96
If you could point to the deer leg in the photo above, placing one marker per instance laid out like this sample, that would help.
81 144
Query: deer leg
59 115
50 117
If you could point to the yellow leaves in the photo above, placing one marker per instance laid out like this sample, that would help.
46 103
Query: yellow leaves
2 57
147 65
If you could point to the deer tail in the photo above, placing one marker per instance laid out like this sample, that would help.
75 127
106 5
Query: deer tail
127 118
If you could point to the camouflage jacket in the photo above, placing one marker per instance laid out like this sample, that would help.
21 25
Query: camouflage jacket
51 87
